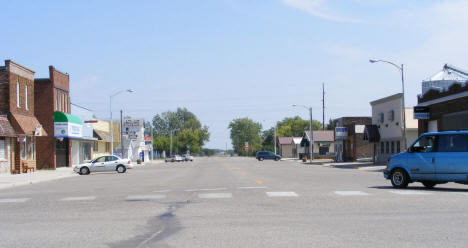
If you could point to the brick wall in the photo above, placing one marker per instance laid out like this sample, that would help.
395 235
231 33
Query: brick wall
4 92
44 111
23 82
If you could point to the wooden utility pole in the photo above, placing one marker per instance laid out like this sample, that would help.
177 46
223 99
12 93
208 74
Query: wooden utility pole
323 106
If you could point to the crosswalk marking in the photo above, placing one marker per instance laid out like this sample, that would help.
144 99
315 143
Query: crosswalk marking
13 200
252 187
351 193
409 192
162 191
79 198
213 189
281 194
215 195
145 197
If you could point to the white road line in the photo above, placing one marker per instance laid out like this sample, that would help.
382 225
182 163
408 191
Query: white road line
215 195
14 200
350 193
281 194
190 190
252 187
409 192
213 189
79 198
162 191
144 197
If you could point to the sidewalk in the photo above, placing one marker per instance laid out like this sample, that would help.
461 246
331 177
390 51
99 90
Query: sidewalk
13 180
355 165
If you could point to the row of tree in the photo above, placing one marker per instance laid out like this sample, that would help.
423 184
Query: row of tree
188 134
246 130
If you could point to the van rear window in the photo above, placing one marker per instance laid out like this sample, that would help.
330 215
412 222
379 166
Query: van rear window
453 143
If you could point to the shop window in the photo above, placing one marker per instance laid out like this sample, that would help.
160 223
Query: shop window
382 148
387 147
398 146
107 147
393 147
95 146
2 148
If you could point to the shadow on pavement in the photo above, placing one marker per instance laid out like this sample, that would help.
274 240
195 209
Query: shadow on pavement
436 189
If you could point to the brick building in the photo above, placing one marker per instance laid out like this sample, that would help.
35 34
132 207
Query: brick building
349 143
52 96
17 103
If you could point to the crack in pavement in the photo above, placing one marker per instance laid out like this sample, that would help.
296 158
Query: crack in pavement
159 228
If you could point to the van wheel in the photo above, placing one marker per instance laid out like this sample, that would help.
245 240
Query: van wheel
260 159
400 179
429 184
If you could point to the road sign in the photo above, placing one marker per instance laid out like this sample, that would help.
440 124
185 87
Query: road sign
246 149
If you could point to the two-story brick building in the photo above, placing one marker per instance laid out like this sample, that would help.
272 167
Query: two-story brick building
53 109
17 103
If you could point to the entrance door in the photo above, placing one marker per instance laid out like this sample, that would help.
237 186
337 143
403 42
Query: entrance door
61 153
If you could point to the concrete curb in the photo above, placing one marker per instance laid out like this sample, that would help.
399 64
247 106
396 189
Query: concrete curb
27 180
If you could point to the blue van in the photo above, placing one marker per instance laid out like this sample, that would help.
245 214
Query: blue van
434 158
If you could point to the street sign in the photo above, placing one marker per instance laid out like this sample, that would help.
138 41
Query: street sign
246 149
421 113
341 133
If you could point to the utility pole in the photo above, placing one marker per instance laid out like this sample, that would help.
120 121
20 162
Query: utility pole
170 149
323 106
311 145
274 137
121 134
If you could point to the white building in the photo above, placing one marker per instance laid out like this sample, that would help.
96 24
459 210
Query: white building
387 116
442 80
133 140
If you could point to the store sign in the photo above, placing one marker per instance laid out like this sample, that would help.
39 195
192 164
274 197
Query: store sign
133 128
67 129
341 133
421 113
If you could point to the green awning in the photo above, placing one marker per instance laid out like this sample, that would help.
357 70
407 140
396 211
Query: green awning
64 117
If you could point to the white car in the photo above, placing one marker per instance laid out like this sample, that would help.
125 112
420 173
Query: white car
104 163
188 157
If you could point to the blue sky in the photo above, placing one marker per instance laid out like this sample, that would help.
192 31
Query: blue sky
225 59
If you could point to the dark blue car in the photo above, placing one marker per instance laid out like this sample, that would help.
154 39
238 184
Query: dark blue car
267 155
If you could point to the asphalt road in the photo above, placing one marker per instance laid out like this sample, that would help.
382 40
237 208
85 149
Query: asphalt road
232 202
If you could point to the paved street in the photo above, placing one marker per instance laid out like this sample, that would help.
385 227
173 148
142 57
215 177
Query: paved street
232 202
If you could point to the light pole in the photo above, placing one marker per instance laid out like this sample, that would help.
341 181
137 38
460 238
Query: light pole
111 121
311 138
401 69
170 148
274 137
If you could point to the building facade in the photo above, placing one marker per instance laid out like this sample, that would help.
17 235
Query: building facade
387 117
349 142
444 109
286 147
133 140
7 143
323 146
17 104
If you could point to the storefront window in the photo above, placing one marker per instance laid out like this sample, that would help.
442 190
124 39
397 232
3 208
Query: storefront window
2 148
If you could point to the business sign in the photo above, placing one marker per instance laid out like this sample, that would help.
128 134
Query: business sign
133 128
421 113
67 130
341 133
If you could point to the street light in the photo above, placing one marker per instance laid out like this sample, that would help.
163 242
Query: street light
401 69
111 121
311 138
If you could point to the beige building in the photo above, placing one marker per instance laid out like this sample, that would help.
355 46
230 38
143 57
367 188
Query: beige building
387 116
286 147
101 130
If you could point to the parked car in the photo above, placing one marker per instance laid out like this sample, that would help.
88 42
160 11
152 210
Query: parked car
261 155
104 163
188 157
434 158
175 158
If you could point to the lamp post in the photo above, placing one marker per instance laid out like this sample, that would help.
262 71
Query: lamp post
111 121
401 69
311 138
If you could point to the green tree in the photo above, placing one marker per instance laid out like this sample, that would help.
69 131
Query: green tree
190 134
245 130
161 143
268 139
295 126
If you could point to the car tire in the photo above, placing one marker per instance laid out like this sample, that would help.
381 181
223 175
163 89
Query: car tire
121 169
399 179
260 159
429 184
276 159
84 171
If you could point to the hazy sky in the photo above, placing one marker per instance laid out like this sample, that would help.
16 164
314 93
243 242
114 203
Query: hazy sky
224 59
